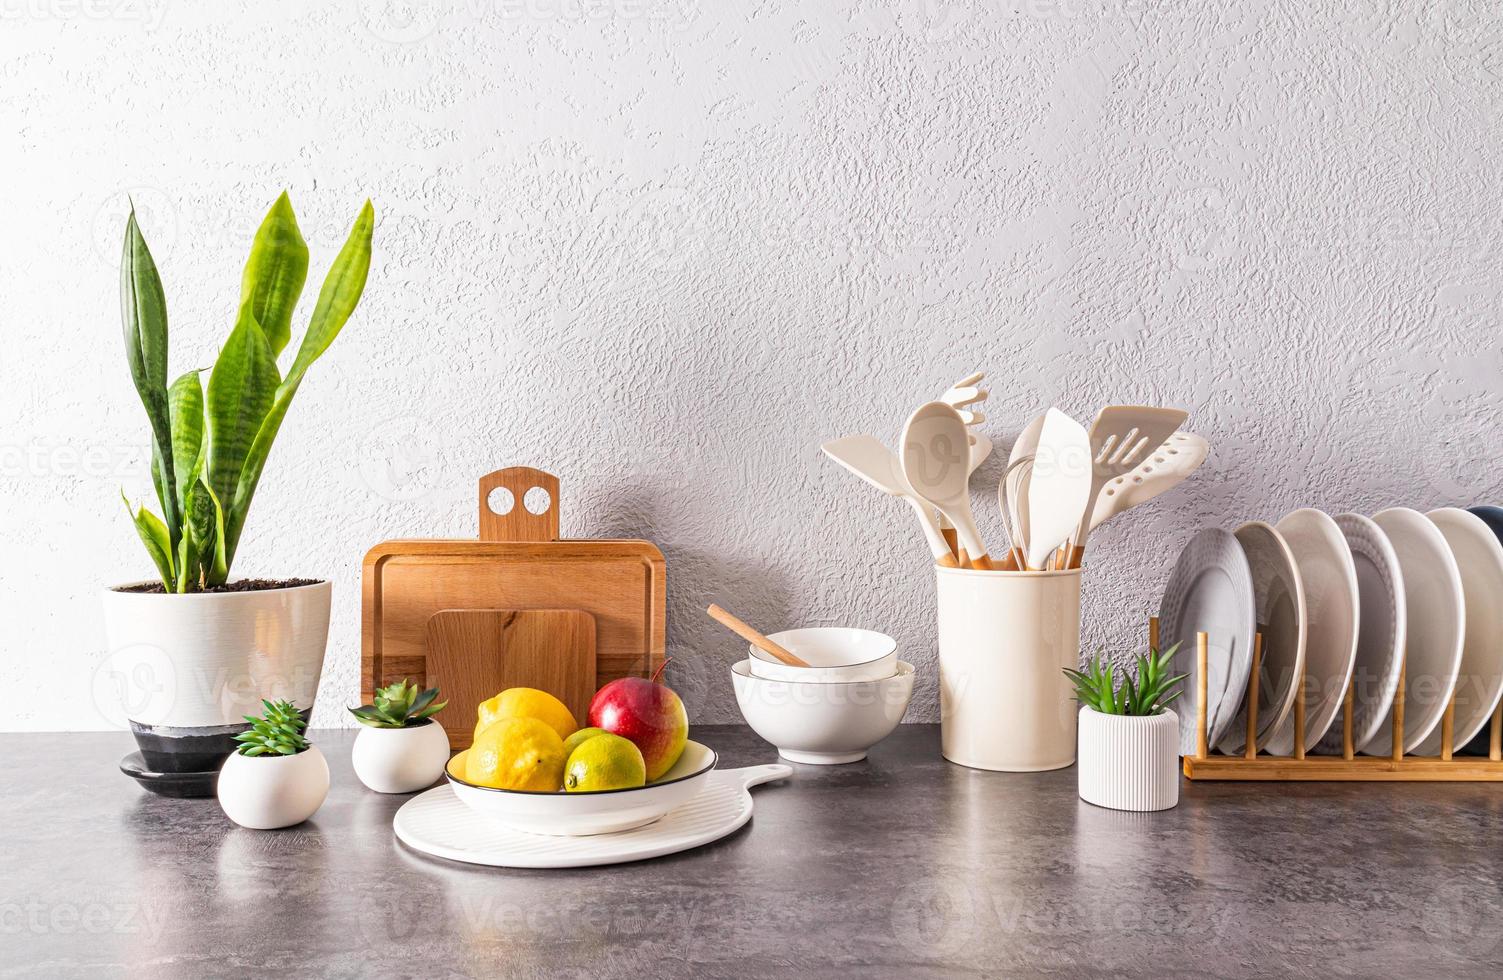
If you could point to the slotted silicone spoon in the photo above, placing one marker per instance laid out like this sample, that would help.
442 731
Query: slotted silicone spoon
935 456
1121 438
1168 466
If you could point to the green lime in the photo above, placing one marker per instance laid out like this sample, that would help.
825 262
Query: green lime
604 762
578 738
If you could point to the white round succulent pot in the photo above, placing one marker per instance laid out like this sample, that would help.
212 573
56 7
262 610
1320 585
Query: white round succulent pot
267 792
187 669
401 760
1128 762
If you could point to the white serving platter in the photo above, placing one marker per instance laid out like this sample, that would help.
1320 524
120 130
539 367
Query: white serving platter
437 823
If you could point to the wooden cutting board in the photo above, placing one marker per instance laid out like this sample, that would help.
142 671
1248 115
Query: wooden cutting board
519 564
474 653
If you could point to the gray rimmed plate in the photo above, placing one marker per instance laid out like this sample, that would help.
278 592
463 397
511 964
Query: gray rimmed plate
1210 591
1280 598
1381 625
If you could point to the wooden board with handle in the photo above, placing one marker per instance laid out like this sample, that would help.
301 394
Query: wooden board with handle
475 653
519 563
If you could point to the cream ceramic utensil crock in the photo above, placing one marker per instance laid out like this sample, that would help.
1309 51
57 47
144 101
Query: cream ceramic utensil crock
1004 641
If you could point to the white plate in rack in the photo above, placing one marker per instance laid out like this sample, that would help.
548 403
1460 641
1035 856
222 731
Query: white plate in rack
1381 631
1329 577
1479 558
1435 607
437 823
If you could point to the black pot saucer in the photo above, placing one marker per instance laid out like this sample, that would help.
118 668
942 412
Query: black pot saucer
179 785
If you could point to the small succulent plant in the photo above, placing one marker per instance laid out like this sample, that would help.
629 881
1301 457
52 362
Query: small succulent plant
399 705
277 732
1149 693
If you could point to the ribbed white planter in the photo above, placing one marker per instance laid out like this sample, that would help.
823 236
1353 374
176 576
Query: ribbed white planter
1129 763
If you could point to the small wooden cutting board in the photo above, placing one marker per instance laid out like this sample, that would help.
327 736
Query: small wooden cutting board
473 654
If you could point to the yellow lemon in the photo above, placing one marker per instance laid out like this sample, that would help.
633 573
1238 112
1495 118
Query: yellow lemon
517 753
526 702
605 762
580 737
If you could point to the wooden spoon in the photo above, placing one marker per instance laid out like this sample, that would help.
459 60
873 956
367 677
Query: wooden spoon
751 636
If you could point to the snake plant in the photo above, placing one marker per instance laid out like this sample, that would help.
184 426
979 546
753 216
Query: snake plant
1149 693
399 705
209 446
279 731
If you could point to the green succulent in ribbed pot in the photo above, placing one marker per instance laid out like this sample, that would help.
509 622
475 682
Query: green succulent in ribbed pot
203 648
1127 735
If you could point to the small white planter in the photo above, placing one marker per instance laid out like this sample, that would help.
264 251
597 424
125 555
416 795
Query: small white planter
1129 763
270 792
400 760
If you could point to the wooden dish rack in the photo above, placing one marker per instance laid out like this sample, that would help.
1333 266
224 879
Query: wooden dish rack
1347 767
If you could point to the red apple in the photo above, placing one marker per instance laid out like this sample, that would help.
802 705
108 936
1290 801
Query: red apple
648 714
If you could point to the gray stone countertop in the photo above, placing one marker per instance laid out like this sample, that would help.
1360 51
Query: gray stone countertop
902 865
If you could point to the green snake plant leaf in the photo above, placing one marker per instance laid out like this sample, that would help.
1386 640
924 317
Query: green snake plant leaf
185 409
143 313
338 298
216 566
275 273
201 524
154 536
242 387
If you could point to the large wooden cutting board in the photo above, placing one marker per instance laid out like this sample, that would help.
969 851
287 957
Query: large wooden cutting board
474 653
519 563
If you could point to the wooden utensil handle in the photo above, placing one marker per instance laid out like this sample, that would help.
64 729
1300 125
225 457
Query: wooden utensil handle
518 523
751 636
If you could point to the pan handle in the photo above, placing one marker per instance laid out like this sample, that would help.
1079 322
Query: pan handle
517 523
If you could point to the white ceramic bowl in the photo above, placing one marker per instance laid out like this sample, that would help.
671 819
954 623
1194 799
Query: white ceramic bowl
823 723
836 654
581 814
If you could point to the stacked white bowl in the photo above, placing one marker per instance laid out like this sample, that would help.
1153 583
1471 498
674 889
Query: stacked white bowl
851 696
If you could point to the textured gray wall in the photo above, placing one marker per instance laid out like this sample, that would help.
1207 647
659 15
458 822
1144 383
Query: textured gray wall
664 248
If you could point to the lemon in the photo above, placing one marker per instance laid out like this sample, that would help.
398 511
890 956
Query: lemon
573 741
526 702
517 753
605 762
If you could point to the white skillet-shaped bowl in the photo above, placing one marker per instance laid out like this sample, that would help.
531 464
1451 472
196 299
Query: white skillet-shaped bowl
578 814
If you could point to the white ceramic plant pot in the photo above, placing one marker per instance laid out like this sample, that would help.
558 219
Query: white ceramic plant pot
1004 638
267 792
400 760
188 668
1129 763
